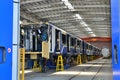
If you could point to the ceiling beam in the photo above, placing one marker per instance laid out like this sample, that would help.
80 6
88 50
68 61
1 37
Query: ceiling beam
95 39
29 1
28 16
44 5
92 6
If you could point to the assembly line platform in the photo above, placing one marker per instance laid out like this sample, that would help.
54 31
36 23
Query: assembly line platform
100 69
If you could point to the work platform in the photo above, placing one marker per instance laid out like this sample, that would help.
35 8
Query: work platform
99 69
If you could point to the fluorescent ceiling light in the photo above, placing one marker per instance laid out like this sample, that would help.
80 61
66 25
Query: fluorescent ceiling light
20 22
78 16
83 23
88 29
68 4
93 35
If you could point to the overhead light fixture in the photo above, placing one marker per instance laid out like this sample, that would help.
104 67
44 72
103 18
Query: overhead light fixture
88 29
78 16
93 35
20 22
83 23
68 4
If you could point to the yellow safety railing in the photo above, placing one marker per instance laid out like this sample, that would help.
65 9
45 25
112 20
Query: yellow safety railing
59 66
22 59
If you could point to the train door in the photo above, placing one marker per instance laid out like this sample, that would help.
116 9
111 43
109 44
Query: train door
115 19
58 40
81 47
64 43
8 46
6 39
68 45
75 46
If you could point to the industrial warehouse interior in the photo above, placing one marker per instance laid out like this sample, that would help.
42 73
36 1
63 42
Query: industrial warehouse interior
60 40
65 40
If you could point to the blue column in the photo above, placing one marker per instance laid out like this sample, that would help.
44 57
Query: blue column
6 28
115 21
9 39
15 38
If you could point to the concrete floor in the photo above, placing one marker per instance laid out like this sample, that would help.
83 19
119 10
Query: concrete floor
99 69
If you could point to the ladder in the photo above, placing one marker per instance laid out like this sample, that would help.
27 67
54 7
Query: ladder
36 67
59 66
79 59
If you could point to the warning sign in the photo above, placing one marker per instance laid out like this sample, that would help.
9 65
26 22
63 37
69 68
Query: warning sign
9 50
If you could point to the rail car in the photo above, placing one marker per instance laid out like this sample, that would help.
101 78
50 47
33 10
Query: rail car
59 42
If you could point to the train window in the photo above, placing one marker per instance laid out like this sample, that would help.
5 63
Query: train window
72 42
68 43
57 34
2 55
63 39
78 43
115 54
51 42
57 40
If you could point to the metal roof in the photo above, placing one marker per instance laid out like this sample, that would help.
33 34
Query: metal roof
83 18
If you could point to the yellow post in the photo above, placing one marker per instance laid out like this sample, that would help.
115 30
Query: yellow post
85 58
19 64
59 66
91 57
22 53
36 66
79 59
